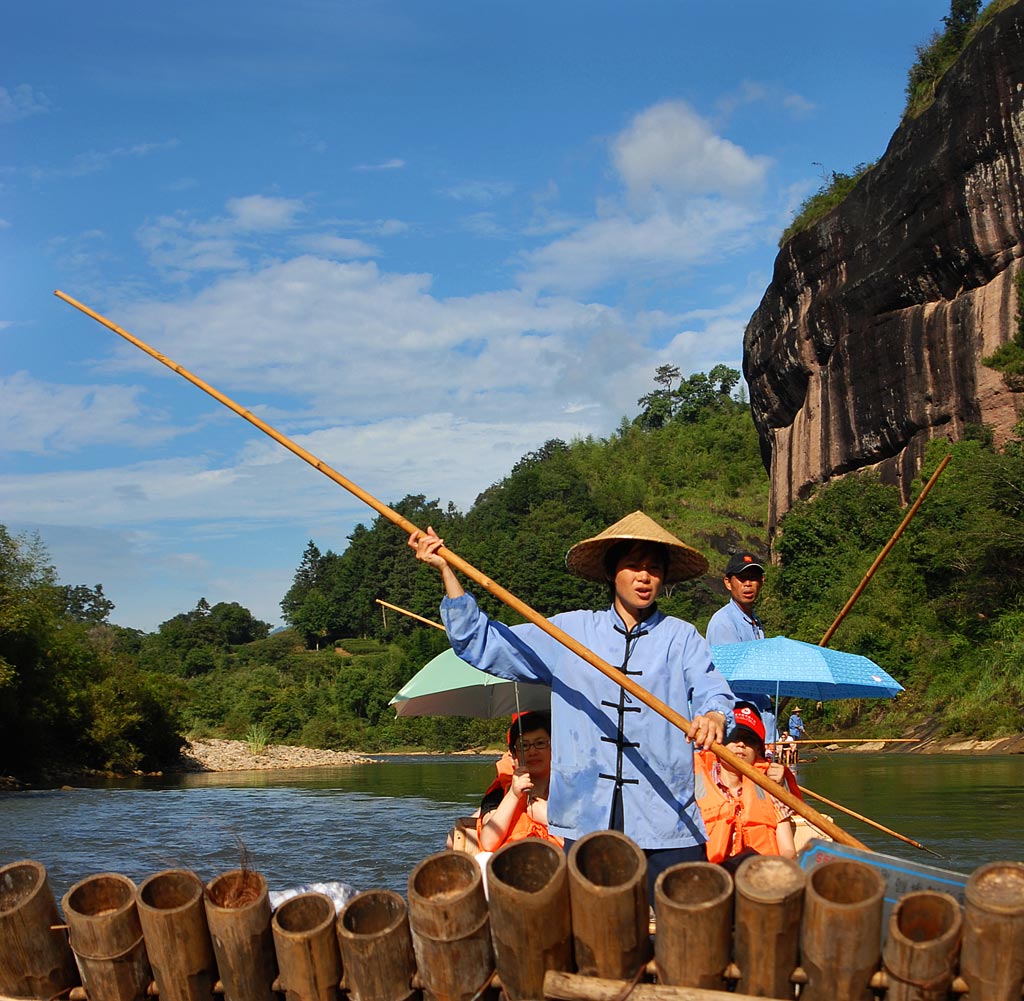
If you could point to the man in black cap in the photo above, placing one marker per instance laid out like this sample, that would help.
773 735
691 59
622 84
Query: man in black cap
736 622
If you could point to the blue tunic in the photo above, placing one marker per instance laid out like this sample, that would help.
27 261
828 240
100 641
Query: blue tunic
730 624
600 733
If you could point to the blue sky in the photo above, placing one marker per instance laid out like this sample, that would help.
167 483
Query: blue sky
419 239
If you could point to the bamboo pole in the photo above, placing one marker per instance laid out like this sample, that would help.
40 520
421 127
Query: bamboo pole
868 821
858 740
412 615
885 551
458 563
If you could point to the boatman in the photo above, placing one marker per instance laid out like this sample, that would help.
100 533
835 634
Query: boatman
616 763
796 725
737 622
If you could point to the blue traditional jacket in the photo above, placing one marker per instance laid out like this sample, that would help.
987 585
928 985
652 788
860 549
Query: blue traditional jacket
614 761
730 624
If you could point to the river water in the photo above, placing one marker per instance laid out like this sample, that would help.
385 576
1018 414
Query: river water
370 824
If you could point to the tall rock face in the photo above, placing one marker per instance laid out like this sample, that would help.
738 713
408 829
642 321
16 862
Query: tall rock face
869 340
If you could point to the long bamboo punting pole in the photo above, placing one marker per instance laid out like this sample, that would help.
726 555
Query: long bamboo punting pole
412 615
885 551
458 563
867 820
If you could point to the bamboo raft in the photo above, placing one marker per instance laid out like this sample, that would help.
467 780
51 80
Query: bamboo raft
562 926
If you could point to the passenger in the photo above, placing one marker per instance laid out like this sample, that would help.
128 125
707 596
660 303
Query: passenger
763 705
504 767
741 818
775 770
785 749
737 622
616 763
520 809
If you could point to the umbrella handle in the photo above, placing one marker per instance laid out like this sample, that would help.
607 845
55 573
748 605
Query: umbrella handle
456 562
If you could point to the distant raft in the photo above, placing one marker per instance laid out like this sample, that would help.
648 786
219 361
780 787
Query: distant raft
574 926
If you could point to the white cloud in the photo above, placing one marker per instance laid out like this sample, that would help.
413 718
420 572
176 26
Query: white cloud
798 105
350 339
750 92
265 484
22 102
359 346
182 246
338 247
484 224
389 227
669 149
480 192
689 198
44 417
393 164
653 246
95 161
263 214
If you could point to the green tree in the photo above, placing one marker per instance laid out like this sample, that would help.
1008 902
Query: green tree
57 676
659 405
938 54
961 17
308 578
693 399
86 604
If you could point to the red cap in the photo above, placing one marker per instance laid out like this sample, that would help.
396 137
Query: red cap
747 718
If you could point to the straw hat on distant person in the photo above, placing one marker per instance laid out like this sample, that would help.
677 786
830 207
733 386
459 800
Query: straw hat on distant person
586 558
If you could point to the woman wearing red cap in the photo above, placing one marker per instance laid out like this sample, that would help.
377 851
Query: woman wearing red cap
741 818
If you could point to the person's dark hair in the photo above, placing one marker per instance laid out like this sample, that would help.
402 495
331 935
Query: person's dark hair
533 719
618 550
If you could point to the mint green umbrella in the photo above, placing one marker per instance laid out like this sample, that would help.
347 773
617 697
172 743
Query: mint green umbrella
448 686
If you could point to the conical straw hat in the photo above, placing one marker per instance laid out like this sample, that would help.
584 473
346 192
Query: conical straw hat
586 558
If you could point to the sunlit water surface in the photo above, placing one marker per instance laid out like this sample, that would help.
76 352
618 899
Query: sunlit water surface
370 824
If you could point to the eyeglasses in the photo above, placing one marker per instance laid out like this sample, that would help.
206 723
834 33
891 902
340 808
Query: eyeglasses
534 745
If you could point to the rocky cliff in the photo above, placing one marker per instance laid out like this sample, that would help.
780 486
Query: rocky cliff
869 340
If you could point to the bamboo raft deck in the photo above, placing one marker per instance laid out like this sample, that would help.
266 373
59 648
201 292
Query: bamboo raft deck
574 927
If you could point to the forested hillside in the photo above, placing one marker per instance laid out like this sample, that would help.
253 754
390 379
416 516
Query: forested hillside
945 614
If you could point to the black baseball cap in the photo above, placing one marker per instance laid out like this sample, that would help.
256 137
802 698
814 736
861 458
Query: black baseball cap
739 562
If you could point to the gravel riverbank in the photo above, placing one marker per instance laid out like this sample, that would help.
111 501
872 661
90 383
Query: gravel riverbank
236 755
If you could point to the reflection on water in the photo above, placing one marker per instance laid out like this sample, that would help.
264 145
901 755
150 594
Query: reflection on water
966 808
370 824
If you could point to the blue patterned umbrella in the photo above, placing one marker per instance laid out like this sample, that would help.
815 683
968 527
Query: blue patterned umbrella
782 666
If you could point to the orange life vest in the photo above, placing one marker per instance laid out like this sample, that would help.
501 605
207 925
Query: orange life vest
788 778
732 824
522 826
505 768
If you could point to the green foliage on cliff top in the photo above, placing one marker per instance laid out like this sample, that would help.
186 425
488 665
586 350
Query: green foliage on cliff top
933 60
936 56
824 200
